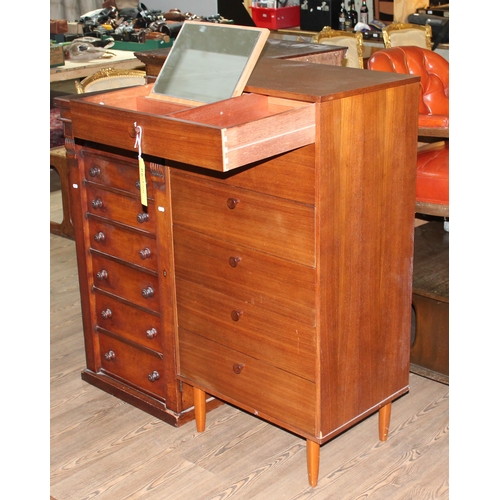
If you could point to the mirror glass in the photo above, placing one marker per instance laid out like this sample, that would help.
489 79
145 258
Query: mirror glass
209 62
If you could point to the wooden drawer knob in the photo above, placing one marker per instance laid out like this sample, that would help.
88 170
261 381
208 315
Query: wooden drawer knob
232 202
94 171
236 315
109 356
107 314
233 261
151 333
145 253
153 377
102 275
97 203
100 237
237 368
148 292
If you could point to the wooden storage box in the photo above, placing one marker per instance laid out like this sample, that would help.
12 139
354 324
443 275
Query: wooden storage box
219 136
56 55
75 28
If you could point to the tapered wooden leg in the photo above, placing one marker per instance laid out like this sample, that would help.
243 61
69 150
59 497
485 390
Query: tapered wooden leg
200 408
384 419
312 462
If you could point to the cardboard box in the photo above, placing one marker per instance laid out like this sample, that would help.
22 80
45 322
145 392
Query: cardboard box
56 55
58 26
273 19
75 28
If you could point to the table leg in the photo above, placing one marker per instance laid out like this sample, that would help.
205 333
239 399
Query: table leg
200 408
384 419
312 462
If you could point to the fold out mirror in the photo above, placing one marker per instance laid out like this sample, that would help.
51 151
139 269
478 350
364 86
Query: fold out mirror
209 62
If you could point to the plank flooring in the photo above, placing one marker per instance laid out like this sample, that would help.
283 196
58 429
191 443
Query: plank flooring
104 448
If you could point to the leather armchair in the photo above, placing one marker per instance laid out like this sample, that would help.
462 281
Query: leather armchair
432 193
433 176
433 70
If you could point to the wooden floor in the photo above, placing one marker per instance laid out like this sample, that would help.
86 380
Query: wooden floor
104 448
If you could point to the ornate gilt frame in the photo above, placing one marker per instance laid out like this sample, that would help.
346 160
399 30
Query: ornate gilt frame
108 73
328 32
386 32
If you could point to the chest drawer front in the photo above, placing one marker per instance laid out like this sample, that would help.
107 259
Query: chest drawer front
111 172
134 247
278 285
219 136
269 337
273 225
133 365
261 388
124 209
290 176
129 322
134 285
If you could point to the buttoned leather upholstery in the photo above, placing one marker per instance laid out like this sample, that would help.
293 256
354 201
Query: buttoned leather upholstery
433 70
432 185
433 174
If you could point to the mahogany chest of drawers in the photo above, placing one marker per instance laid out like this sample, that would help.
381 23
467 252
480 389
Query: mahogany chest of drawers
272 265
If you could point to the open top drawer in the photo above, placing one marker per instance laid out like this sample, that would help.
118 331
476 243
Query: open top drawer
219 136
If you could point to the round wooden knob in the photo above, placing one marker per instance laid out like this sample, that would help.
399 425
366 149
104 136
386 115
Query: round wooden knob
233 261
236 315
102 275
107 314
232 202
145 253
237 368
97 203
110 356
151 333
94 171
100 237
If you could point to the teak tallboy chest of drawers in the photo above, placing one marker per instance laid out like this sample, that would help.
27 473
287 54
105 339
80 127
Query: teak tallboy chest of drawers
272 265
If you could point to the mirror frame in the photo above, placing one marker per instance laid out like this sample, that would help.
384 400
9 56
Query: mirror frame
223 53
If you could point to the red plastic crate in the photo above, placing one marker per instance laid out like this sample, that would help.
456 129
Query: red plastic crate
273 19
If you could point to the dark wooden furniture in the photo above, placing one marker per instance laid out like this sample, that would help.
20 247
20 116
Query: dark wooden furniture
303 51
274 255
274 48
59 163
429 353
383 10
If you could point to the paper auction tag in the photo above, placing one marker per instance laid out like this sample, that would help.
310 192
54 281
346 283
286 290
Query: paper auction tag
142 181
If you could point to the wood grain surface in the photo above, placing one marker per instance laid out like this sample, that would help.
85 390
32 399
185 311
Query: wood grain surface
102 447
